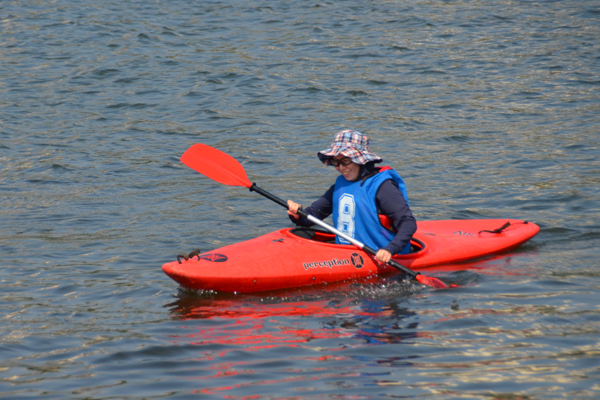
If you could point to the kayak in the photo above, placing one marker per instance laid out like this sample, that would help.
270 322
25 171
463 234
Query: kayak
294 257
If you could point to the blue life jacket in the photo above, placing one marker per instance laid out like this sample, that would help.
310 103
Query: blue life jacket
355 209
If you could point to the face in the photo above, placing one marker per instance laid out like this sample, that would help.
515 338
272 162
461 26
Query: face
350 171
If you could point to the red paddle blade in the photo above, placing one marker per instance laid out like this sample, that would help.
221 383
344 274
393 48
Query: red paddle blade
216 165
429 281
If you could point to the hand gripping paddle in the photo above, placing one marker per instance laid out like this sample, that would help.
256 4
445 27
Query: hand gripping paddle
223 168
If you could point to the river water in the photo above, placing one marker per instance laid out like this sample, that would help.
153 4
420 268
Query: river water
487 110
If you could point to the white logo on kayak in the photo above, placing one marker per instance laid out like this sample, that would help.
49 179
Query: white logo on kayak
326 264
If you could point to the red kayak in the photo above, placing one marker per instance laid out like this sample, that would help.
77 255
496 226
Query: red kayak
294 257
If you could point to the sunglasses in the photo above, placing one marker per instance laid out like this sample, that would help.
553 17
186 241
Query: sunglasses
336 163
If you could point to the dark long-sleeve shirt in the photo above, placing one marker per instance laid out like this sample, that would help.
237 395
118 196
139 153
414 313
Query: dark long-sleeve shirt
389 201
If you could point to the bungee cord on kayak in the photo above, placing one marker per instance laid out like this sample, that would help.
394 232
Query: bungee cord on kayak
502 228
194 253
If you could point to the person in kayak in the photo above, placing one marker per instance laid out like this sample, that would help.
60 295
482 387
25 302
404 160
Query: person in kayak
367 203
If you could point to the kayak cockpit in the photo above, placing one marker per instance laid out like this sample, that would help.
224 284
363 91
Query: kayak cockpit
313 234
322 236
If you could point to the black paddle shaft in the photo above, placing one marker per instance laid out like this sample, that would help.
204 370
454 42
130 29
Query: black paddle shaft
274 198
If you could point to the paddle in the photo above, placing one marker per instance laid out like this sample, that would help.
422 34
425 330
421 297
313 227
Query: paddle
223 168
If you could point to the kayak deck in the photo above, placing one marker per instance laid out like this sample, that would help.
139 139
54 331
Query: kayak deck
294 257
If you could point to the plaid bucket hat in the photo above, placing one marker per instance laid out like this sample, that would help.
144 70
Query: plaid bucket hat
351 144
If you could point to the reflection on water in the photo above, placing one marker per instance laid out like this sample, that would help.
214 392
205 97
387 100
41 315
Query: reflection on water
245 320
320 328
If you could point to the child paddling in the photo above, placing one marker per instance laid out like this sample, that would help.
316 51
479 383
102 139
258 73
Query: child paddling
367 203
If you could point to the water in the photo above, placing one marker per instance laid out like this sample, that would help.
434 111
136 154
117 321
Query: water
487 109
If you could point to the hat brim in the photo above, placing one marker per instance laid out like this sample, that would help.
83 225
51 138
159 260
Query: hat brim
357 156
